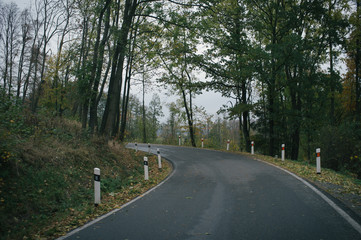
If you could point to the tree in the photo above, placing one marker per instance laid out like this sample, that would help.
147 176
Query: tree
155 112
228 59
34 59
67 7
109 126
9 41
335 26
354 54
98 59
176 56
51 21
25 38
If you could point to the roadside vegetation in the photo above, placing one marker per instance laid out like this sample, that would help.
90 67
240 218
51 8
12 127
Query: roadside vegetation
75 74
294 79
347 181
46 174
344 185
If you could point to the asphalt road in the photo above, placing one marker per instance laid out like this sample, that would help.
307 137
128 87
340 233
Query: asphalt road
217 195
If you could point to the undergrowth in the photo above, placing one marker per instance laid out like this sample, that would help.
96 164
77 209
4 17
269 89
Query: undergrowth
349 182
46 175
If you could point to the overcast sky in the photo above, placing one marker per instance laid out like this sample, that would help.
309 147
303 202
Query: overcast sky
211 101
21 3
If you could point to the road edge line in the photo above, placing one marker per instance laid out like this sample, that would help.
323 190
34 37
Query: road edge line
339 210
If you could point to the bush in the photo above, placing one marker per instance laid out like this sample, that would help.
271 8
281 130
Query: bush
341 147
12 127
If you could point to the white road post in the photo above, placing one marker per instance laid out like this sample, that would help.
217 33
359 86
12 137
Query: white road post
136 147
148 148
159 159
228 144
146 173
179 140
283 152
96 186
318 160
202 143
252 147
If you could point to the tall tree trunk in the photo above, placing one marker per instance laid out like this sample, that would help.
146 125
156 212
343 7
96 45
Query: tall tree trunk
25 32
51 13
295 87
126 90
98 60
272 92
87 83
357 62
189 111
332 73
189 117
35 76
7 63
245 116
332 87
143 112
109 126
11 62
42 80
271 110
295 134
58 58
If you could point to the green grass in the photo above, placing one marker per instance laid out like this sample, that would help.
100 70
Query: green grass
46 179
348 182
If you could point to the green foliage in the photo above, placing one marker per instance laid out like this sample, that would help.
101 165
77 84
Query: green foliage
51 175
13 128
341 147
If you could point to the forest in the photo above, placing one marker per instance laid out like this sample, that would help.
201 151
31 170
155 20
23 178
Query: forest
291 69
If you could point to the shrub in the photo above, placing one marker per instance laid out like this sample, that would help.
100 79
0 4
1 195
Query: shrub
341 147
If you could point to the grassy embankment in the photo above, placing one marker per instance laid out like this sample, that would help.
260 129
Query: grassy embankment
46 177
342 185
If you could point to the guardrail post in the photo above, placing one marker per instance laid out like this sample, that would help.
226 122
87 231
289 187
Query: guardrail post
96 186
283 152
318 160
146 173
159 159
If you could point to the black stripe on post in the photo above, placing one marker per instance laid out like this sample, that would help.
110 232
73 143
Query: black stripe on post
96 177
145 163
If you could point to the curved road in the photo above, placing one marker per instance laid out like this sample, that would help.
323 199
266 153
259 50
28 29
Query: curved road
217 195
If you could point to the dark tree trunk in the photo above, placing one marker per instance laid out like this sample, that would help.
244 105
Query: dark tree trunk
189 118
271 113
357 65
143 113
109 126
295 123
98 60
245 116
126 92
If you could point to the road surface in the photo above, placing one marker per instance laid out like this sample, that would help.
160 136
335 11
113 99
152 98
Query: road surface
218 195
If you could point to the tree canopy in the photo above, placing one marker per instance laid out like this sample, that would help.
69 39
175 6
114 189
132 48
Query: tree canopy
291 69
